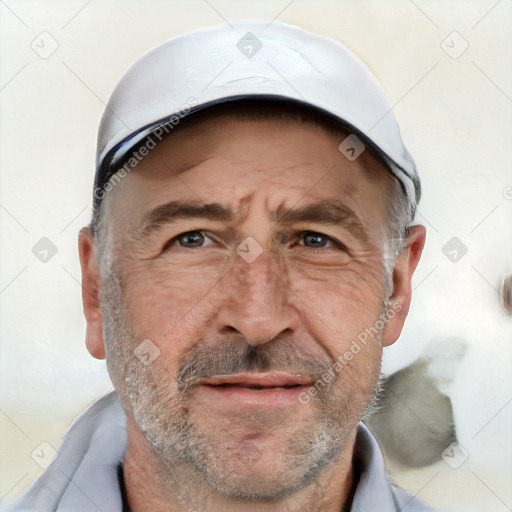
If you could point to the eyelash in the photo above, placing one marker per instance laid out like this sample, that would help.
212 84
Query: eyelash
335 243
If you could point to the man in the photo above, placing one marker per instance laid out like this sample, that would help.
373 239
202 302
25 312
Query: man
250 254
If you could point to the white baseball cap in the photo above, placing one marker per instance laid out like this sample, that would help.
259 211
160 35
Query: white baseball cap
242 61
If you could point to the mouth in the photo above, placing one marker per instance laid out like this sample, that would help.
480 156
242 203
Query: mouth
270 389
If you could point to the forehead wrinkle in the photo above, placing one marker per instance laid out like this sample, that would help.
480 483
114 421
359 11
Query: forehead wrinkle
165 168
244 207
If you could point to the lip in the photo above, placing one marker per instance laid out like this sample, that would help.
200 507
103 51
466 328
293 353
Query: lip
254 390
260 380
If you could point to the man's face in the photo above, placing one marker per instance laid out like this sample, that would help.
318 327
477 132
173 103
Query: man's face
240 328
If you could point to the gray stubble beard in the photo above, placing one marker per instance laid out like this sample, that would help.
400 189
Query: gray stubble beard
162 412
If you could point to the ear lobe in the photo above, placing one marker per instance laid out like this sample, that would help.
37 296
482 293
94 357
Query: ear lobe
90 294
400 298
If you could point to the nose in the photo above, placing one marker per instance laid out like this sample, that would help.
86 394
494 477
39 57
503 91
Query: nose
258 301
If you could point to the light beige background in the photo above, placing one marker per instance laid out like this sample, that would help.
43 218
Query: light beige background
455 115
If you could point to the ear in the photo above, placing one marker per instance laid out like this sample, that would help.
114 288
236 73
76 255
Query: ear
90 294
400 298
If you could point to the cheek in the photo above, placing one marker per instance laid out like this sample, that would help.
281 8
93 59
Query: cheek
340 302
166 305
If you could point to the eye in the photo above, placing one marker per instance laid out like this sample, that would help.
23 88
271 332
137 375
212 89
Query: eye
190 240
318 240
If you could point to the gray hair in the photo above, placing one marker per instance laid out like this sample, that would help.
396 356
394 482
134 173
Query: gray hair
401 214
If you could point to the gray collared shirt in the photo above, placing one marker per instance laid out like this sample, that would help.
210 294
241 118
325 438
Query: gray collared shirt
84 476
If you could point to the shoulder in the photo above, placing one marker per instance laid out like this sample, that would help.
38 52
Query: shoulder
84 469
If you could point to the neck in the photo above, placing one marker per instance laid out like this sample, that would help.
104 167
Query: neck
150 486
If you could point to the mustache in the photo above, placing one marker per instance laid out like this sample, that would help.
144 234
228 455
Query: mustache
204 362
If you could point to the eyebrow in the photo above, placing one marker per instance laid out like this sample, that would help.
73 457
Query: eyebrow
334 213
172 211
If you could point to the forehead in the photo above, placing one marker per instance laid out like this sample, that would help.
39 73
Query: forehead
275 161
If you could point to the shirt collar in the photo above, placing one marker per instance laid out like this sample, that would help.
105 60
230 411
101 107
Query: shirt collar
373 490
